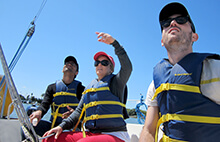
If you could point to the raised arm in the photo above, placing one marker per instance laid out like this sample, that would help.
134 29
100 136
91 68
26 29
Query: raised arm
119 81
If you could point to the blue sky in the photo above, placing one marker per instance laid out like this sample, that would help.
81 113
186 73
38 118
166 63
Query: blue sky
68 27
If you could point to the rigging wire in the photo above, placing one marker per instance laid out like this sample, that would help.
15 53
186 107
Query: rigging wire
26 39
40 10
20 50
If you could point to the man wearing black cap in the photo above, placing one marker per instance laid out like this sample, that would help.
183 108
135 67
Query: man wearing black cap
63 96
183 98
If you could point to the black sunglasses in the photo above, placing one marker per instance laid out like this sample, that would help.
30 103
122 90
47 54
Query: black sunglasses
103 62
179 20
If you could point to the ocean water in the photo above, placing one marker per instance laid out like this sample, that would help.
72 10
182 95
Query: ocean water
47 115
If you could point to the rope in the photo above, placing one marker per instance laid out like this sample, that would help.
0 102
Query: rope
14 61
26 39
21 49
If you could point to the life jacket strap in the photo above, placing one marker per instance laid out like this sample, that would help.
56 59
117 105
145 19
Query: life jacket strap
64 94
178 87
95 103
189 118
80 117
55 113
96 116
95 89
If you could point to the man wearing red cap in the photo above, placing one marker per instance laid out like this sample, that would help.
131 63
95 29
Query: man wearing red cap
183 98
103 102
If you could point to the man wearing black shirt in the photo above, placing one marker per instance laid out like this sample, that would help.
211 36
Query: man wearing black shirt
63 96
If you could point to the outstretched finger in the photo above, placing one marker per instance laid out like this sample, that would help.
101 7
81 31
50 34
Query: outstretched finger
58 133
45 134
69 108
99 34
48 134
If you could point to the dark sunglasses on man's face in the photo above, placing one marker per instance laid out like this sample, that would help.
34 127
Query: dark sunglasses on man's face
179 20
103 62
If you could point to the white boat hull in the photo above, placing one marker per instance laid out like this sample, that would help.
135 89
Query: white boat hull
10 130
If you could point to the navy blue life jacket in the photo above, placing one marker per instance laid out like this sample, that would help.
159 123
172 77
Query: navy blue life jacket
186 114
103 109
64 96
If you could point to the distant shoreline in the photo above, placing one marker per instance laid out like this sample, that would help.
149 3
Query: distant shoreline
133 116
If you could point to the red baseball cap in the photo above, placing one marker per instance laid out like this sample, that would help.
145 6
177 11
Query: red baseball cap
104 54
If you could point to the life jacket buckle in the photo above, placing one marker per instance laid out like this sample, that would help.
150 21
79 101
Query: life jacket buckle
164 118
93 117
165 87
93 104
63 105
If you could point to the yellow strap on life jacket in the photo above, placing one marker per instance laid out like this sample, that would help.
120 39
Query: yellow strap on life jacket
55 113
64 94
95 89
95 103
80 117
189 118
178 87
59 114
96 116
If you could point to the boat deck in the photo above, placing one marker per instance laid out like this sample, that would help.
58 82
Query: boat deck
10 131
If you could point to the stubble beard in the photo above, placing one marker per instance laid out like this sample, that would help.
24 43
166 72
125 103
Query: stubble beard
179 42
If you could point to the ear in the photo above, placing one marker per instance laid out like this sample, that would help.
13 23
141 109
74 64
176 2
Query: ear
162 42
76 73
195 37
63 70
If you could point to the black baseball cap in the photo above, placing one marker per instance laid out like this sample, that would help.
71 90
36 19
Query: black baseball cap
175 8
71 58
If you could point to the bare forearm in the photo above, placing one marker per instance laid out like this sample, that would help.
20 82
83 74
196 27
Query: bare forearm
146 136
149 129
